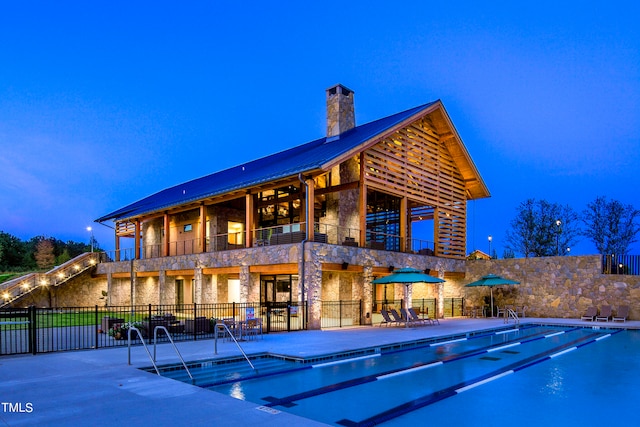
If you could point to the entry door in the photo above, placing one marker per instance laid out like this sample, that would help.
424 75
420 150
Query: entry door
277 307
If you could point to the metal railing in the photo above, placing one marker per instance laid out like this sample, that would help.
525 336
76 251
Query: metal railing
42 330
21 286
338 314
278 235
510 314
621 264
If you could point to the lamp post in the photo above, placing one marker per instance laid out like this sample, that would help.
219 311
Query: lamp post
558 224
490 238
90 230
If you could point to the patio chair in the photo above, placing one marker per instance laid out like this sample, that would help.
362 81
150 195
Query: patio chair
502 311
590 314
417 319
397 318
411 318
605 313
386 319
252 328
521 310
621 314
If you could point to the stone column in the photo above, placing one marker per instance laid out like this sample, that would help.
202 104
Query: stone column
109 288
367 294
197 283
245 283
313 285
162 280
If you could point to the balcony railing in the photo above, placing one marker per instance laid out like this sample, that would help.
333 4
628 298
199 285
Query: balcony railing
279 235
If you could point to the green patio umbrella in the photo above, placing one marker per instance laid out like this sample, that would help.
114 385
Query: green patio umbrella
407 276
492 280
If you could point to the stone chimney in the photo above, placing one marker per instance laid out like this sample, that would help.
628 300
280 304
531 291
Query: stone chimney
340 111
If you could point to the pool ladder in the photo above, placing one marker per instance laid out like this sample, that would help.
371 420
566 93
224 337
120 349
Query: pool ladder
511 314
155 342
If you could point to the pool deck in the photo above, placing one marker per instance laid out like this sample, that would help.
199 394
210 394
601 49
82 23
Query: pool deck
98 387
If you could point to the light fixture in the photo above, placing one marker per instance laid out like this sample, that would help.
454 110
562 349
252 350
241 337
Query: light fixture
345 265
90 230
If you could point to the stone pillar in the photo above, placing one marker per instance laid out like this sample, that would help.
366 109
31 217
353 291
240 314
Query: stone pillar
367 294
197 283
214 289
162 280
245 283
313 285
109 288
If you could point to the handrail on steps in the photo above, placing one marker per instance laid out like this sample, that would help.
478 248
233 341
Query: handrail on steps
226 328
511 313
155 339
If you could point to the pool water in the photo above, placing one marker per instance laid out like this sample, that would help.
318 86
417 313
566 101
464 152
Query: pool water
533 375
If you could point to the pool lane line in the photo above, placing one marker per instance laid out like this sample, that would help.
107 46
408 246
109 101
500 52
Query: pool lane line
287 401
253 377
454 390
340 362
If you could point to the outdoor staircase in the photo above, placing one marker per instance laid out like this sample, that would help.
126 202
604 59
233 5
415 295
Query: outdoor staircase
14 290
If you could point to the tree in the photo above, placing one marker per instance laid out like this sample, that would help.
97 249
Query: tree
611 226
13 251
44 256
541 228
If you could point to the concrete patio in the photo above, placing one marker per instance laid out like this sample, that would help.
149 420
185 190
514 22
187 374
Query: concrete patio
98 387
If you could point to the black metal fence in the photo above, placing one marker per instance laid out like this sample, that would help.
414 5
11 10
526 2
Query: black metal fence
42 330
621 264
338 314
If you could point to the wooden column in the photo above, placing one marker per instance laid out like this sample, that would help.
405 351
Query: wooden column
403 224
167 240
436 231
203 228
363 204
117 258
136 236
310 208
249 219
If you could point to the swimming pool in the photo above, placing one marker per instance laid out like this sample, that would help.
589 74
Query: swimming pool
529 376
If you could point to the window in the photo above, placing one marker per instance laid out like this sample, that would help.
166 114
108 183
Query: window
187 227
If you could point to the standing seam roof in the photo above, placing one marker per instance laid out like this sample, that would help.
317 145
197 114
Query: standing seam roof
300 159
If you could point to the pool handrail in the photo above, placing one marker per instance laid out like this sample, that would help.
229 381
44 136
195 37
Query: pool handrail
155 342
510 313
223 326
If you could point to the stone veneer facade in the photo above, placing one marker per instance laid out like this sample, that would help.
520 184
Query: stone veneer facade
556 287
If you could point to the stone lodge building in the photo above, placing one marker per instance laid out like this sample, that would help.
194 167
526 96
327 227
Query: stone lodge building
316 222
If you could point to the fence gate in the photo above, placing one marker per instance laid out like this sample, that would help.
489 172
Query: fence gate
284 316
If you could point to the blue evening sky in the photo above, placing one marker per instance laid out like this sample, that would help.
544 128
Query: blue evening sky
103 103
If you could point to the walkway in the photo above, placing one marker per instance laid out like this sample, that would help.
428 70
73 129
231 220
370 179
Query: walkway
98 388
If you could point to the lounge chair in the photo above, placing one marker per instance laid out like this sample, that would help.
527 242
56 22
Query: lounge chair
590 314
605 313
411 318
417 319
386 319
621 314
397 318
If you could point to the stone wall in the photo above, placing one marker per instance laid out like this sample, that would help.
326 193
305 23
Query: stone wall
561 287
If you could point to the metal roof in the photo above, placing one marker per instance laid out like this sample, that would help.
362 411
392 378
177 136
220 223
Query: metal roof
304 158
